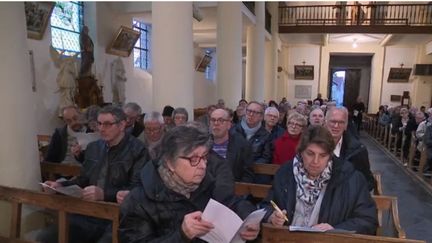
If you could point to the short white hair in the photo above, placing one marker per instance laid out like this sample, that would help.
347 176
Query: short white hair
271 109
153 116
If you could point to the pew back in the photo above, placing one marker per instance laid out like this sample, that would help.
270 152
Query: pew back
63 204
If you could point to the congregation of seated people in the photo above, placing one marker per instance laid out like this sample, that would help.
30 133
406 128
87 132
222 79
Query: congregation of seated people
162 168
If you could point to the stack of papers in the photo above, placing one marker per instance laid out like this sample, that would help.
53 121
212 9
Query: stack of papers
73 191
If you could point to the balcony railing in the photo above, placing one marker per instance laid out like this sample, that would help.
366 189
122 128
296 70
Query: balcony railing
357 15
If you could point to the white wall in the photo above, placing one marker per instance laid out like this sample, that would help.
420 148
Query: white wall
296 55
394 56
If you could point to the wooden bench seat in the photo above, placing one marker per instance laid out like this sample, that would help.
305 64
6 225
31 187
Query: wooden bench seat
63 204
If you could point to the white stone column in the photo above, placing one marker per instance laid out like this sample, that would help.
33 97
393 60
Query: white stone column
172 55
255 56
19 158
229 52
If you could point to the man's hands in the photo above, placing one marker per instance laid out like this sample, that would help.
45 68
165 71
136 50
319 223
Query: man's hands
120 196
193 226
52 184
76 150
93 193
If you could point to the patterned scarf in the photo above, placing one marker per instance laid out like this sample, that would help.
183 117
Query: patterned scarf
308 190
174 182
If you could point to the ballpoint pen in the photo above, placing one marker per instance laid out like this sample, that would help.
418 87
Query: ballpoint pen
278 209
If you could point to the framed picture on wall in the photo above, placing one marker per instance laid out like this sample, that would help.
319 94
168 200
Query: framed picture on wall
37 17
399 75
303 91
304 72
123 42
395 98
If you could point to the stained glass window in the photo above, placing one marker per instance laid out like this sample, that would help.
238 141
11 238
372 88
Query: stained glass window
142 46
66 25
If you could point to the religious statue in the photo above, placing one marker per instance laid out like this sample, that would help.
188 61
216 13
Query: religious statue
87 56
118 80
66 78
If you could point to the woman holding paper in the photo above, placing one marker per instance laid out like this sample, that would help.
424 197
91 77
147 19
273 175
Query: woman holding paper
174 190
320 191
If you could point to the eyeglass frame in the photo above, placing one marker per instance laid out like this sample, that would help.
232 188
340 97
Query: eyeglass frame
293 124
195 164
252 112
107 124
218 121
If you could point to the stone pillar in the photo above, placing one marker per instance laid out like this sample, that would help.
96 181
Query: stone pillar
255 56
229 52
172 55
19 158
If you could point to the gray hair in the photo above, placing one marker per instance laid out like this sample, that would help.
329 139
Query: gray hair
70 107
133 106
256 102
181 110
154 116
329 113
298 117
270 109
181 140
92 112
116 111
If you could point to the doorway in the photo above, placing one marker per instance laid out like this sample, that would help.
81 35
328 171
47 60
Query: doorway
349 78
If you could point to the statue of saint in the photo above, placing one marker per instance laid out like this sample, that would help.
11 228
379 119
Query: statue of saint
87 57
66 78
118 81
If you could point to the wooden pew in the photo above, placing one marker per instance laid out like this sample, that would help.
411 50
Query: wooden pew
63 204
43 142
50 170
388 205
378 183
265 169
273 234
258 191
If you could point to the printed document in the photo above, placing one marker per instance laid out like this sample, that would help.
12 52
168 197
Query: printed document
227 224
73 190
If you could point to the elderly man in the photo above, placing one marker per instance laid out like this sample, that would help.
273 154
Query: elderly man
253 131
153 132
109 167
64 139
316 117
271 119
348 147
233 148
133 123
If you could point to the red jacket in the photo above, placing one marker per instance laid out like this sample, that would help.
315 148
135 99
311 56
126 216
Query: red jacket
285 148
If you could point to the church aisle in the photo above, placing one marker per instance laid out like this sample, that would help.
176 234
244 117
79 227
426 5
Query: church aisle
415 203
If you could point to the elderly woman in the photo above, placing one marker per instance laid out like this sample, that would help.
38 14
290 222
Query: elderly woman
167 206
320 192
285 146
180 116
316 117
153 132
271 119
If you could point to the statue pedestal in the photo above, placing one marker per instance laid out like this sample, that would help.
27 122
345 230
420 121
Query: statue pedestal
88 93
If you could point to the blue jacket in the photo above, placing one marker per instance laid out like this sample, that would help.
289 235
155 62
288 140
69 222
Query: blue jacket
347 203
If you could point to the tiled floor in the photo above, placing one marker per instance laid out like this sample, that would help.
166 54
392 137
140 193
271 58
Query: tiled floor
415 202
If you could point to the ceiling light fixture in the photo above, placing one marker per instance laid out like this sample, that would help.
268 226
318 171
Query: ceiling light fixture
354 44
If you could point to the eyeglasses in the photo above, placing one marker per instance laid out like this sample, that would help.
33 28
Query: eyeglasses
195 160
293 124
219 120
152 130
106 124
252 112
335 122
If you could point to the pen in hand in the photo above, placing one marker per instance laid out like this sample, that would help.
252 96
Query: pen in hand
278 210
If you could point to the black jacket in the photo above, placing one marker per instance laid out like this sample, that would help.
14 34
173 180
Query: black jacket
112 169
355 152
347 203
239 158
260 143
153 213
58 145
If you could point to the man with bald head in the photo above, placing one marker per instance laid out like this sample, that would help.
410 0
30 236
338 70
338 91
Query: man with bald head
63 139
348 147
316 117
233 148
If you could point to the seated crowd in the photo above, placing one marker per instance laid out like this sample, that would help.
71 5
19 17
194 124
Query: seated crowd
163 170
409 125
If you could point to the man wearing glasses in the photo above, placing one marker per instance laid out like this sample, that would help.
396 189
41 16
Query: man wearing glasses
233 148
258 137
110 165
348 147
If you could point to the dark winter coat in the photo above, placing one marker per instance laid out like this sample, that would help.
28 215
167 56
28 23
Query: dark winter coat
347 203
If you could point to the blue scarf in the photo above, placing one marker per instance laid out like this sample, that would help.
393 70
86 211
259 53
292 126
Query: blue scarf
249 131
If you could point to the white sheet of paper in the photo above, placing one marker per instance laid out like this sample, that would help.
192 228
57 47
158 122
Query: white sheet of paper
73 190
85 138
304 229
227 224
